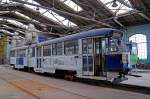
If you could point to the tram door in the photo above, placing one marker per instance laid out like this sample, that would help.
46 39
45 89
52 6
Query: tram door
99 46
39 56
87 50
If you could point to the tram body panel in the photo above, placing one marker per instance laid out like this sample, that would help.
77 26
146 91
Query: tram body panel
19 62
19 59
26 58
12 57
12 60
32 62
66 62
51 64
47 65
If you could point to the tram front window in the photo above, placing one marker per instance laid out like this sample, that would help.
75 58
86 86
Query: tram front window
113 45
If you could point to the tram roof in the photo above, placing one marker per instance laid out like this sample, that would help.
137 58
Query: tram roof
103 32
20 47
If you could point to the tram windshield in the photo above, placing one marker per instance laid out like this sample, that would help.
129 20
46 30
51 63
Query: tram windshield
115 42
113 46
21 52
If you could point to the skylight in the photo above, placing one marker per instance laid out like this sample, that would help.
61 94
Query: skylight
19 24
118 6
3 12
20 14
72 5
1 19
4 1
50 14
5 31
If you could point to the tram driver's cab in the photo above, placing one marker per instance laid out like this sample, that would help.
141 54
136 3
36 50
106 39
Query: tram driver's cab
117 57
104 56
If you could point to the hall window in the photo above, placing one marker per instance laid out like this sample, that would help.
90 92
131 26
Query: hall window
141 41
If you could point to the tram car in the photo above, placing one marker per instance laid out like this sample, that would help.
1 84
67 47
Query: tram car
96 53
18 57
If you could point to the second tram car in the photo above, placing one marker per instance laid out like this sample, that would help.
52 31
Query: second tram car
91 53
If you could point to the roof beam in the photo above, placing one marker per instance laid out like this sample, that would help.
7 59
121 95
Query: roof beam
13 29
22 31
4 22
35 16
61 6
144 16
137 4
97 10
94 6
67 14
27 11
57 4
124 3
23 10
120 24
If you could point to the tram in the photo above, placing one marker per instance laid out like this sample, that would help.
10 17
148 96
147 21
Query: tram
96 53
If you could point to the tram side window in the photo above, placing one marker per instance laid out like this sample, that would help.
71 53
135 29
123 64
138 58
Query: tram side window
12 53
59 49
21 53
38 52
17 53
54 51
33 52
47 50
71 47
87 46
112 46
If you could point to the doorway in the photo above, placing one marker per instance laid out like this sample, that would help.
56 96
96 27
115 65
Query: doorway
39 56
87 54
93 52
99 61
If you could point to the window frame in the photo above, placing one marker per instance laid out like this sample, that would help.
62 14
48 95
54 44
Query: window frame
87 46
59 47
74 47
33 52
54 49
21 52
47 50
12 53
144 51
39 51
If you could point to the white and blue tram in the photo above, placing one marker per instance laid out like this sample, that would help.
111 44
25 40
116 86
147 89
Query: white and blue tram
91 53
18 57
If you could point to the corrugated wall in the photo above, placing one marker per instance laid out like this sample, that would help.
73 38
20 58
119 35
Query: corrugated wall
3 49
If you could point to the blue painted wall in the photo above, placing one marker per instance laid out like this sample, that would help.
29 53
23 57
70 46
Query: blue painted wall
142 29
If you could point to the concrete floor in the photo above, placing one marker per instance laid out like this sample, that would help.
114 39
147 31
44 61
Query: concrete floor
144 80
21 85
